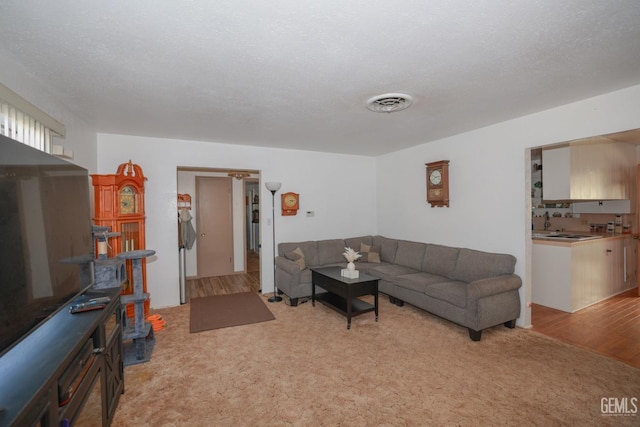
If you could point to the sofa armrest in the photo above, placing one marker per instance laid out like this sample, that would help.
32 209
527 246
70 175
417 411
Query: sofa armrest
287 265
287 275
493 286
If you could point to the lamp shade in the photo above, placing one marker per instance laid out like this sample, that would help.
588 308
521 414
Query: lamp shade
273 186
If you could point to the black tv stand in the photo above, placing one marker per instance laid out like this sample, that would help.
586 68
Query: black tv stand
68 369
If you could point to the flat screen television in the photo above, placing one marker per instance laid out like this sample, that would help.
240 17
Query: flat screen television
46 248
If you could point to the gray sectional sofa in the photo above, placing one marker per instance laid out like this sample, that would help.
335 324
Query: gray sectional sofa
472 288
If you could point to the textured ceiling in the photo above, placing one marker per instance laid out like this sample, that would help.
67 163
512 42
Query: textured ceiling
297 74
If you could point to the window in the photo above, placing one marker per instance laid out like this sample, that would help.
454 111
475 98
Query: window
19 126
24 122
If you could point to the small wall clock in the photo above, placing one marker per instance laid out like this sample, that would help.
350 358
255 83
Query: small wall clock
290 204
438 183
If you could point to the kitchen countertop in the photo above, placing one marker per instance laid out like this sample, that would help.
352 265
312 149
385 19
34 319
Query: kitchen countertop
538 237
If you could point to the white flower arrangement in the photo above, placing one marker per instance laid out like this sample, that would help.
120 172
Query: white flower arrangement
351 255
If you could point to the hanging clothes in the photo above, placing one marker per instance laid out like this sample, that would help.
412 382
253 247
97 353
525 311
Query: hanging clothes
187 232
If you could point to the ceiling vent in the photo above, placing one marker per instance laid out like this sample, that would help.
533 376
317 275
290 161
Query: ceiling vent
389 102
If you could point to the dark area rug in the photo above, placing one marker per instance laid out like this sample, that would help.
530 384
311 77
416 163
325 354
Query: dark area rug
223 311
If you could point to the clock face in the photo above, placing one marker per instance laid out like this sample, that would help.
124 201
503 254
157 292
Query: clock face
127 200
435 177
290 201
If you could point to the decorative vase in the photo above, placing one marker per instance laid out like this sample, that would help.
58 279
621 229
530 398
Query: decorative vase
351 266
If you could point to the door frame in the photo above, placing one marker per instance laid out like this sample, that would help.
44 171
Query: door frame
186 184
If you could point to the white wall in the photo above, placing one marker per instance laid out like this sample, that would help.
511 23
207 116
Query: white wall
490 188
340 189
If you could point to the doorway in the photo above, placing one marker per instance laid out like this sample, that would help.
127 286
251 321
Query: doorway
245 272
609 322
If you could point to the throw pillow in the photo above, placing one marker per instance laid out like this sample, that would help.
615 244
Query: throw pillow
296 256
369 253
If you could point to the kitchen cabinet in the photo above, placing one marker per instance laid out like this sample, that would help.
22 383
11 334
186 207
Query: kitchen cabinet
551 276
571 276
622 256
630 262
593 169
557 173
538 208
604 207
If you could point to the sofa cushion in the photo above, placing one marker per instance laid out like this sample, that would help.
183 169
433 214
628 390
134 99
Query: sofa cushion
369 253
440 260
410 254
330 251
355 242
475 265
419 281
452 292
309 249
296 256
388 248
389 272
366 267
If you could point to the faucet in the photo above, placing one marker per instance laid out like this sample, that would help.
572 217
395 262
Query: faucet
547 224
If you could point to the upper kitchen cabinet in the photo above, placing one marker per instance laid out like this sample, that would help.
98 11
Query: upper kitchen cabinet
591 169
604 207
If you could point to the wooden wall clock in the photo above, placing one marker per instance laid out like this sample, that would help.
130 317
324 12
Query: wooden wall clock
438 183
290 203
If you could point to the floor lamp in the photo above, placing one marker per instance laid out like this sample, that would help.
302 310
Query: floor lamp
273 187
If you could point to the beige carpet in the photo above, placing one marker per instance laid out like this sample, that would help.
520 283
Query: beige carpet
408 369
223 311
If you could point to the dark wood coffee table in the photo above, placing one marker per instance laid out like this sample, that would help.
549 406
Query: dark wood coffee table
342 293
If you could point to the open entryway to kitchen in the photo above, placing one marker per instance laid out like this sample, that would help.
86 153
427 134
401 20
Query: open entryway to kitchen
584 246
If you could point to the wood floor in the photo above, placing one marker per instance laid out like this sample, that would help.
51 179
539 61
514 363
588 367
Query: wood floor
234 283
610 328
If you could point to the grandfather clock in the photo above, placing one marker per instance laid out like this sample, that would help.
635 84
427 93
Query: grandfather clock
119 204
